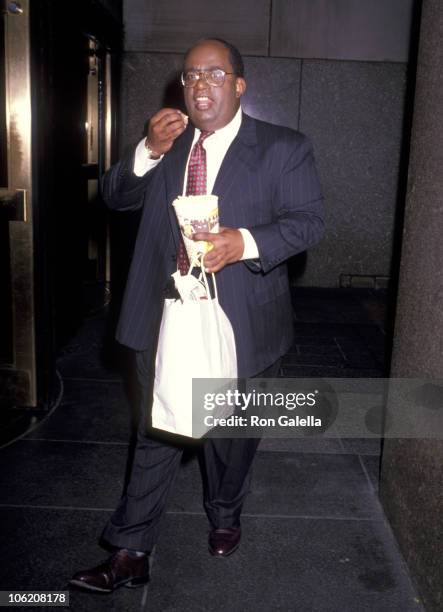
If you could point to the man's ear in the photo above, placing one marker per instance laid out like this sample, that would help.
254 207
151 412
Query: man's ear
240 87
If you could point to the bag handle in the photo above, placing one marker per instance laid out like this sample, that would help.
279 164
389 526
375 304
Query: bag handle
215 312
198 259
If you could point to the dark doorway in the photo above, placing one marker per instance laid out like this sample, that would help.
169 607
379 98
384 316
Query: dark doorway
54 255
78 77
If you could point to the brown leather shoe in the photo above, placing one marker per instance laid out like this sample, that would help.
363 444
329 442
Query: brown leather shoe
119 570
223 542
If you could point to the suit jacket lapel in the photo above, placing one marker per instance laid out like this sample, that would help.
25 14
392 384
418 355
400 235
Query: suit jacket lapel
242 152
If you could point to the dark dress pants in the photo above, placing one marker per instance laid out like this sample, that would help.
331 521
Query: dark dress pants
225 466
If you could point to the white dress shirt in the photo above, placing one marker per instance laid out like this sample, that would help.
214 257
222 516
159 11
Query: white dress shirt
216 147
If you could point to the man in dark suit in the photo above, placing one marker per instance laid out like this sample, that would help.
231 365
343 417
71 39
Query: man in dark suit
270 208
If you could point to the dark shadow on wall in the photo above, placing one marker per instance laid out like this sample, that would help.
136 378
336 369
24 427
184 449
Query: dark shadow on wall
402 185
172 98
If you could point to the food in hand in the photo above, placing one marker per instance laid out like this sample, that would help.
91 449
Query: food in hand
197 213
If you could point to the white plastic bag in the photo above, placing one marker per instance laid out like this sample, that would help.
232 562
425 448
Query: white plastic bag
196 341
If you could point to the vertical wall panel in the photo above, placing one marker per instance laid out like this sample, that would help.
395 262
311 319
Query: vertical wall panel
376 30
173 26
353 111
273 90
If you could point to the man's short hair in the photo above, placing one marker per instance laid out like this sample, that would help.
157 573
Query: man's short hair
235 57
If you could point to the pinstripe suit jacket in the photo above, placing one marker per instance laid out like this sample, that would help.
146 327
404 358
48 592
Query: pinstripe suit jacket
268 184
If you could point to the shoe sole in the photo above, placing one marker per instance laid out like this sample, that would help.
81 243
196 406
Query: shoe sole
88 587
134 583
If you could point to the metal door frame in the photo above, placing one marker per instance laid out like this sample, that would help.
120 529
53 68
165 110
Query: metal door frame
18 379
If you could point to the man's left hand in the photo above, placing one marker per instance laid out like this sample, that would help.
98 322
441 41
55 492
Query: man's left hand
228 247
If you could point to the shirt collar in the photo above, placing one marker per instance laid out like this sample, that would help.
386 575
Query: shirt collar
228 132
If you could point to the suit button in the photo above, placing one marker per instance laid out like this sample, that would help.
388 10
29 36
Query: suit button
174 257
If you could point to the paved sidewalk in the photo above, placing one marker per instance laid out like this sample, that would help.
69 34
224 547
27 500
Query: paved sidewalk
314 534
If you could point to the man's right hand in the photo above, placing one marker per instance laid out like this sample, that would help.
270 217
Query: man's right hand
164 127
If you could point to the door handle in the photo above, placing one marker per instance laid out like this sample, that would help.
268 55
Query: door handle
13 205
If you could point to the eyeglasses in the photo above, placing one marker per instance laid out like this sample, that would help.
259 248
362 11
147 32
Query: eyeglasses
215 77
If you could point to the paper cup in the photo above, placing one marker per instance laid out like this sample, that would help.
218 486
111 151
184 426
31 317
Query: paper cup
197 214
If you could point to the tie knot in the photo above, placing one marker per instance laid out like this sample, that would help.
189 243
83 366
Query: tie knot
203 136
